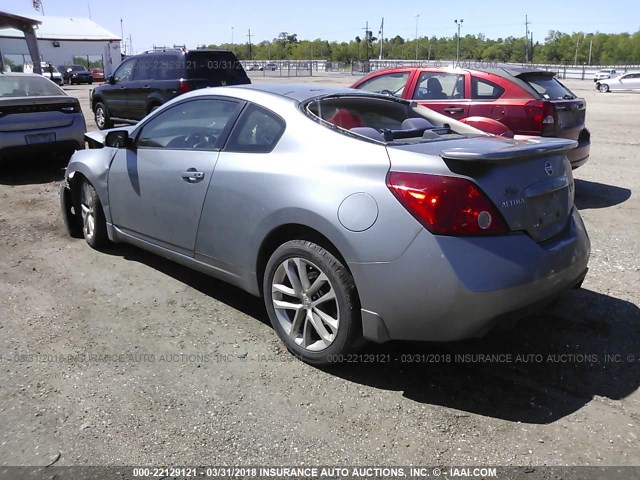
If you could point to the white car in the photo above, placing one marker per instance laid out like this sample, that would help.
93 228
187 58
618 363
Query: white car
627 81
52 73
604 74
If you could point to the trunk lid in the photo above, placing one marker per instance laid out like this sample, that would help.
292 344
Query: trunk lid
29 113
529 182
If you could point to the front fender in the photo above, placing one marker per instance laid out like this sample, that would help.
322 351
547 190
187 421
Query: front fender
94 166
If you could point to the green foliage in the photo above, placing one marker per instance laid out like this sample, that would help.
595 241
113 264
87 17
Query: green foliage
557 48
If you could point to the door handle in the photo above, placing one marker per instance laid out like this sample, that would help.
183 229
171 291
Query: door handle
192 175
454 110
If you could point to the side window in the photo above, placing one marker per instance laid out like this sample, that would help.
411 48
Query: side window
439 86
485 90
142 68
125 71
192 125
258 131
167 67
389 83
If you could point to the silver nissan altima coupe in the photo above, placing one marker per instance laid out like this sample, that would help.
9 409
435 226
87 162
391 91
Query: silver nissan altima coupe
354 215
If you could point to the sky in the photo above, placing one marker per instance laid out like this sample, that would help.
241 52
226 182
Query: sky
197 22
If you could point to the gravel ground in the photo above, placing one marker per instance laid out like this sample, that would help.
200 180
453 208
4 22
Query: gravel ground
124 358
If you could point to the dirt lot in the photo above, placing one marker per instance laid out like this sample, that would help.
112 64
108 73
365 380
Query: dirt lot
125 358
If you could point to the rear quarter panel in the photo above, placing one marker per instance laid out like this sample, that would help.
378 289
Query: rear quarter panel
312 170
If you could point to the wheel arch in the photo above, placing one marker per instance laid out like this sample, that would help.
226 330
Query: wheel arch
488 125
285 233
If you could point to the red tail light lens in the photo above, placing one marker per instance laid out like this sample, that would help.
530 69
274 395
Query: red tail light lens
184 86
540 112
446 205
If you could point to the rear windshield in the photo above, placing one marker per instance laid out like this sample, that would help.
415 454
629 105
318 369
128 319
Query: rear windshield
18 86
219 65
547 86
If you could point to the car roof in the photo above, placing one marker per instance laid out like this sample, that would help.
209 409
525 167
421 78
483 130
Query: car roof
301 91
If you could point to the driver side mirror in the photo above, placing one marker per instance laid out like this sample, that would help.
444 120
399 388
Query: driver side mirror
118 139
111 80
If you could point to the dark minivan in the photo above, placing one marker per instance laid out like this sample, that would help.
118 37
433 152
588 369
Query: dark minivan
144 82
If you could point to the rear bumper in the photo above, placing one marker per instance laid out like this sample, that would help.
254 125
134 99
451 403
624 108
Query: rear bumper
452 288
69 137
577 156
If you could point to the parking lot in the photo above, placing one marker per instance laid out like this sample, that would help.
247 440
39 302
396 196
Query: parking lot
125 358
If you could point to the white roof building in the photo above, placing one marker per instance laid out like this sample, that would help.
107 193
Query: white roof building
61 28
63 41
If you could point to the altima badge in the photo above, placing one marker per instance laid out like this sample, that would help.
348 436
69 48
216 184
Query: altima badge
548 168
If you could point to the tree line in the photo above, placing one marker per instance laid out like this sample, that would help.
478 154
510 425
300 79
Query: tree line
558 48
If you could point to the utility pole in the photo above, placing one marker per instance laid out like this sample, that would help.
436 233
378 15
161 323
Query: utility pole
231 37
590 46
367 40
531 45
526 39
417 17
122 37
381 33
575 59
459 23
250 56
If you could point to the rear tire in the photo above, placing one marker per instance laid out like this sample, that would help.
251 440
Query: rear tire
103 120
94 225
312 302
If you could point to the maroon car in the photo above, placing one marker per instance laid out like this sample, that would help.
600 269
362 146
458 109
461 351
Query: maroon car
97 74
511 101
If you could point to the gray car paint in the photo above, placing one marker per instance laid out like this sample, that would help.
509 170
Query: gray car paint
412 284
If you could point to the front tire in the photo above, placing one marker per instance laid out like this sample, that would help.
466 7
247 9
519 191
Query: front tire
312 302
603 87
103 121
94 225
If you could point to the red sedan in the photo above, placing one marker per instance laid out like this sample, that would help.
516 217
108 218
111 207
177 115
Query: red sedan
97 74
517 102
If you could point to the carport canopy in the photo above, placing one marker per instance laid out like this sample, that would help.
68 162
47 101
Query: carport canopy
28 26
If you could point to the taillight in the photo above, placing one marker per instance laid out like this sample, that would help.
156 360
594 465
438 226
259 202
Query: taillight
71 109
541 114
446 205
184 86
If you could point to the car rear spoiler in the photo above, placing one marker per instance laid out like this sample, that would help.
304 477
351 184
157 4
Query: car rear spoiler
481 150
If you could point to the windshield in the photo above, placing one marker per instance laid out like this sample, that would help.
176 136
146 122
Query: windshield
27 86
548 87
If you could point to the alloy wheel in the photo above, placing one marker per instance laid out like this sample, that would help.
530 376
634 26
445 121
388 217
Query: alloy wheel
305 304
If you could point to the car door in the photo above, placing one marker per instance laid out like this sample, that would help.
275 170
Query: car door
157 187
138 88
236 200
114 92
629 81
444 92
486 103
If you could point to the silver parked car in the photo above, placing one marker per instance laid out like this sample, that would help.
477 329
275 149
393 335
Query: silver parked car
37 115
355 215
627 81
